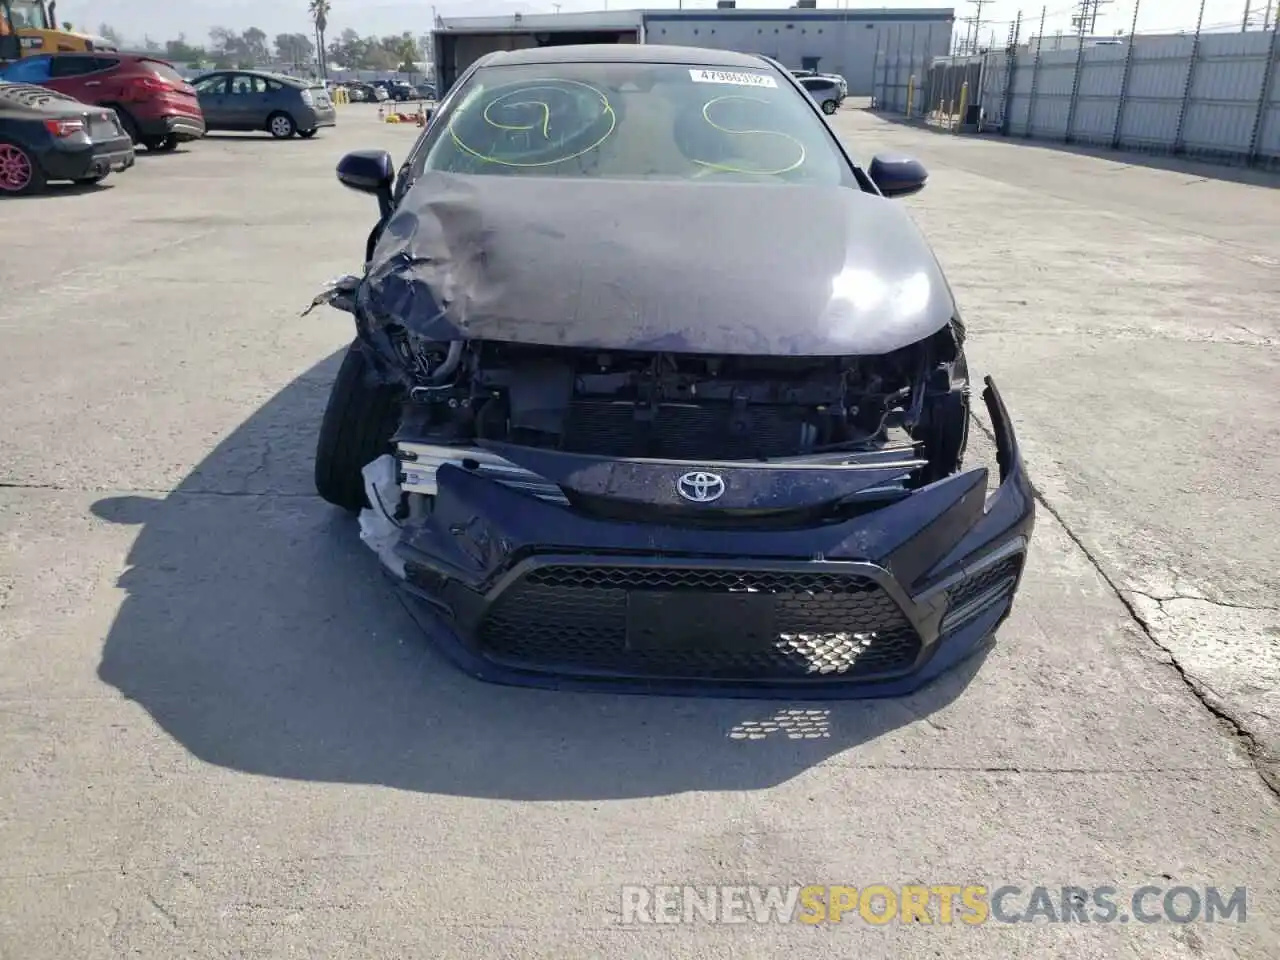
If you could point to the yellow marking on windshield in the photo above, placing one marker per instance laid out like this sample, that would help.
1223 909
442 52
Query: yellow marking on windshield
542 125
730 168
546 116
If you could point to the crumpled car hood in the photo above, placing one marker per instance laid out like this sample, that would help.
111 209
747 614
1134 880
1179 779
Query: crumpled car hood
685 267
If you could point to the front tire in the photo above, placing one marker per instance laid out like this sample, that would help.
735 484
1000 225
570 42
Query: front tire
359 422
281 126
829 107
307 134
165 144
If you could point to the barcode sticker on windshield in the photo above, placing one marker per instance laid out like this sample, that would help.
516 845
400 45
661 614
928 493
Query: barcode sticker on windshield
726 76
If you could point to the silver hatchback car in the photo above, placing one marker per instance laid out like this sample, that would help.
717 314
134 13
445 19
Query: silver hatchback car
250 100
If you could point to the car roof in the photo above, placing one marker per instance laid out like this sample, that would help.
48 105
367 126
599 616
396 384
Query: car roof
625 53
264 74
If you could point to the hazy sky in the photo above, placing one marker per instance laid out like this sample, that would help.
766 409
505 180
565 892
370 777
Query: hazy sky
162 19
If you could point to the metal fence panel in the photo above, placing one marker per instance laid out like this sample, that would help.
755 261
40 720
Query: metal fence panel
1268 144
1200 94
1053 93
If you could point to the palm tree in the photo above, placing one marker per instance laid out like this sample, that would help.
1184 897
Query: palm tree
319 10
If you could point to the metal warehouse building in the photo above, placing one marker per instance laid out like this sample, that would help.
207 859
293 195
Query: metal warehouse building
843 41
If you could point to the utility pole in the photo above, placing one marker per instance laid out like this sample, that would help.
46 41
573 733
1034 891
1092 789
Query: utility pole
974 27
1086 19
1249 15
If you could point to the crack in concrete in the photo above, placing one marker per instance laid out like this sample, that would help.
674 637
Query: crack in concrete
1192 598
173 921
1266 766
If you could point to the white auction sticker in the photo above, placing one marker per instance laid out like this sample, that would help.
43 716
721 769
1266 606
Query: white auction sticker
728 76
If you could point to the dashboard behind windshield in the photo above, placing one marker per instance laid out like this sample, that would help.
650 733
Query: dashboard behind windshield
634 121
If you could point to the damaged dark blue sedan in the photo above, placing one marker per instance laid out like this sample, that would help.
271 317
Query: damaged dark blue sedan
655 389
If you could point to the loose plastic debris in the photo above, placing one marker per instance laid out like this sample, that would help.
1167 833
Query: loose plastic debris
378 528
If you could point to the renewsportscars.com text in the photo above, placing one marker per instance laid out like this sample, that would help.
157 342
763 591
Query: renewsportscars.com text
970 904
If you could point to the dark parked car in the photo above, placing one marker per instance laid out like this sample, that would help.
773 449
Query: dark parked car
156 106
426 91
650 401
46 136
366 92
248 100
397 90
826 91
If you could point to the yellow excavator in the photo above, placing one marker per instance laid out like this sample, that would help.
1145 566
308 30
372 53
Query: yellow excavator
29 28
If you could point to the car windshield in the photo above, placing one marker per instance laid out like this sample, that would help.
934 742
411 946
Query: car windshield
635 121
28 13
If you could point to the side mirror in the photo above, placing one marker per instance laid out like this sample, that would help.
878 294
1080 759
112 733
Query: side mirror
897 176
369 171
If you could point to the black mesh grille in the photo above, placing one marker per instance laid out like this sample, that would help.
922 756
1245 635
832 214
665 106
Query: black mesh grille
699 624
1005 570
683 432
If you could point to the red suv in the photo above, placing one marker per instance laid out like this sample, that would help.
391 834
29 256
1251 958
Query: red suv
157 108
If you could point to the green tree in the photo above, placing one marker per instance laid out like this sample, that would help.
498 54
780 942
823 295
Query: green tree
320 17
295 48
183 52
407 52
348 50
255 43
110 34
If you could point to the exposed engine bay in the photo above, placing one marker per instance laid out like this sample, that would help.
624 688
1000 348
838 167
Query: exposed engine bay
633 404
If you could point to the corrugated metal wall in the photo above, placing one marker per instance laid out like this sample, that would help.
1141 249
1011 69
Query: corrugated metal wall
1215 96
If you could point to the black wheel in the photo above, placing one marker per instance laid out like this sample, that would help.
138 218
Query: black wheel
281 126
160 144
20 174
129 125
358 424
307 134
829 107
91 181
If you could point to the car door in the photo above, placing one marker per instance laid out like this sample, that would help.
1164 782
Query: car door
212 93
247 104
77 75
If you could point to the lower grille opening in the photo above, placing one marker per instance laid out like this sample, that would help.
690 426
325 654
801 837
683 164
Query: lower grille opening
991 584
699 624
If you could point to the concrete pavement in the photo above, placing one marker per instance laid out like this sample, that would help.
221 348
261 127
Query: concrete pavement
220 734
1130 313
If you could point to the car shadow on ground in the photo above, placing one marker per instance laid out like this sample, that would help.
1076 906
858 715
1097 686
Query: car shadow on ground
63 189
1199 169
261 634
142 153
247 135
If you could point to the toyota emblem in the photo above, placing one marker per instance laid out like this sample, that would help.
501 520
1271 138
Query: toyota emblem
700 486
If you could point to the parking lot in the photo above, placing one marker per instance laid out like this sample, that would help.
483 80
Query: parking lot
221 735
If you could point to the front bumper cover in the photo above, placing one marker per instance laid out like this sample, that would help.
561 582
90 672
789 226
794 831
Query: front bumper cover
873 606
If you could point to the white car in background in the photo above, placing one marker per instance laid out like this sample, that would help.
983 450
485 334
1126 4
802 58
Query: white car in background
835 78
